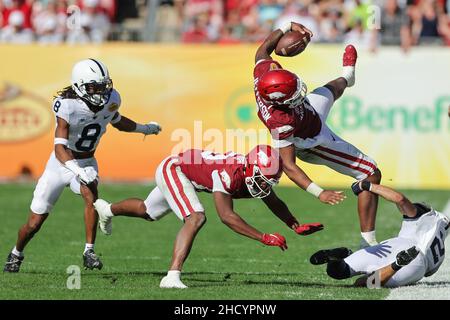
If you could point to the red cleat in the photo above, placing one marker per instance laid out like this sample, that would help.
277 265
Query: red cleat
350 56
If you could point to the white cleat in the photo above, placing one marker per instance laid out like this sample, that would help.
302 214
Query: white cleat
172 282
104 216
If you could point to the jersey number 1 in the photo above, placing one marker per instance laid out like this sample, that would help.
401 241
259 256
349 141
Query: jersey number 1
90 133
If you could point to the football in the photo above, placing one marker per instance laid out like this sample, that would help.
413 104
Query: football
292 43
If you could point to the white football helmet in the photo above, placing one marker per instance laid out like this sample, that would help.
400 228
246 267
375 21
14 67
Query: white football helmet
91 81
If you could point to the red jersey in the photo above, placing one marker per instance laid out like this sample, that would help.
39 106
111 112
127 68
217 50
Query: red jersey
209 171
301 121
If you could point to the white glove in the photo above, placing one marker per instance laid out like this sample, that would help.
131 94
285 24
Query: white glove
149 128
86 175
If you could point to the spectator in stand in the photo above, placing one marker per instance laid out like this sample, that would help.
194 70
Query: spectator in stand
227 36
16 32
303 14
198 33
361 37
331 25
233 31
49 22
395 26
194 12
24 6
94 25
444 24
425 19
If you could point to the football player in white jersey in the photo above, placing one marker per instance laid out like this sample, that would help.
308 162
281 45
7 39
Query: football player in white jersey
418 251
82 111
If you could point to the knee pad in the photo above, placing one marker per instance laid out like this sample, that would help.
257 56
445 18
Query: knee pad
338 270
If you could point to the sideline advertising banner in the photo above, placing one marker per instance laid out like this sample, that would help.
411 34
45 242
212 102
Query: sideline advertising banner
203 98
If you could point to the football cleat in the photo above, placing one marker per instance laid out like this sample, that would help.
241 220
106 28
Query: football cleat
13 263
349 62
104 216
172 282
91 260
325 256
350 56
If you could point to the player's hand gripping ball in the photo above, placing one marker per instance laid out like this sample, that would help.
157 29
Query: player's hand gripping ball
293 42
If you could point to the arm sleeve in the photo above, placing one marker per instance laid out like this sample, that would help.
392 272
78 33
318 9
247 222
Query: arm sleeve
116 118
61 109
217 183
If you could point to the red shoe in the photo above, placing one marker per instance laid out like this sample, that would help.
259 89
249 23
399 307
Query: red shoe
350 56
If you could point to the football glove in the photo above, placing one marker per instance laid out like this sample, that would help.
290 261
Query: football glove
308 228
274 239
360 186
86 175
404 258
152 128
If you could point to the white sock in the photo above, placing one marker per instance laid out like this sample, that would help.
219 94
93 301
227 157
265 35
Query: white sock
88 246
348 73
369 237
14 251
174 274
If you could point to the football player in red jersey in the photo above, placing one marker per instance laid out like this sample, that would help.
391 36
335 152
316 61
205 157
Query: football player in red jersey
227 176
297 122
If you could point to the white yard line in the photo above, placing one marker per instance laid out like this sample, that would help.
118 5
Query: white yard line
436 287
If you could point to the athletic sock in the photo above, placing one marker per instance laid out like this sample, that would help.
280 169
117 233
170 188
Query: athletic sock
15 252
369 237
174 274
88 246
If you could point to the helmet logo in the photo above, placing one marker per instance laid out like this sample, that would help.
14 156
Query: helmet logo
273 66
276 95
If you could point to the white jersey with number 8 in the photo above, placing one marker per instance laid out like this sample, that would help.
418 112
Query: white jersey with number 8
86 127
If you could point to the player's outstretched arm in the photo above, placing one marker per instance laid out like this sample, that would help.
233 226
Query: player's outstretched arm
224 207
280 209
404 204
127 125
270 43
301 179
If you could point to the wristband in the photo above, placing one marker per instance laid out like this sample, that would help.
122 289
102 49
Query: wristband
395 266
286 27
314 189
62 141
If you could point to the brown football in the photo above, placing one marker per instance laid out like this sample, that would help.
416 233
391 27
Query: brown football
292 43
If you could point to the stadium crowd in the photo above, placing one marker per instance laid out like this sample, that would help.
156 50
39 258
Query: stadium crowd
365 23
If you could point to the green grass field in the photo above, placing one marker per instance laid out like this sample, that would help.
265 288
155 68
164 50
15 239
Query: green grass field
222 264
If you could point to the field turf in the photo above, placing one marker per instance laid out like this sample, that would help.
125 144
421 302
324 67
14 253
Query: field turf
222 264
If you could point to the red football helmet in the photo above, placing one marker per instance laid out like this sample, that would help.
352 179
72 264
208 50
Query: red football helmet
263 170
281 87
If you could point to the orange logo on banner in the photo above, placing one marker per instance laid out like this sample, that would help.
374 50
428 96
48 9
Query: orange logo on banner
23 115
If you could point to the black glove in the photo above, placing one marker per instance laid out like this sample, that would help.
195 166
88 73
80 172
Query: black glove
404 258
360 186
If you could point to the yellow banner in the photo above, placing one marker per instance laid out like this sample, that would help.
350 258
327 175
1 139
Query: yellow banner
202 96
